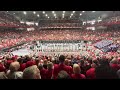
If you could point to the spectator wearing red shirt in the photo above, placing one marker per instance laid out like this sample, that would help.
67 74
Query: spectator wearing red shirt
60 66
77 72
49 70
45 63
42 71
104 71
67 62
114 64
37 61
22 66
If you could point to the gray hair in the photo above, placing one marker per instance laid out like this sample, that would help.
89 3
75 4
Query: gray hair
14 66
31 72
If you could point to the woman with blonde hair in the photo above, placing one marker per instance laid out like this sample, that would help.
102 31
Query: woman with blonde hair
77 72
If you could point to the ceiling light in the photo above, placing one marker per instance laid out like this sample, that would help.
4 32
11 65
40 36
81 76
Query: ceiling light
71 14
73 11
43 12
53 12
38 15
63 11
46 15
24 13
34 12
93 11
83 11
80 14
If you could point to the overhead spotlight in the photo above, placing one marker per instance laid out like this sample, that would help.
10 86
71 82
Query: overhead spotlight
7 11
34 12
24 13
73 11
46 15
80 14
63 11
71 14
43 12
93 11
83 11
38 15
53 12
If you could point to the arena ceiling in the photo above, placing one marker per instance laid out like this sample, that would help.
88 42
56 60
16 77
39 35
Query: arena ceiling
80 15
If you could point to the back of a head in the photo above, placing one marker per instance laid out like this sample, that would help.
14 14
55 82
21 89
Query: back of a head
40 66
104 62
62 58
66 61
14 66
45 62
76 69
31 72
49 65
82 62
63 75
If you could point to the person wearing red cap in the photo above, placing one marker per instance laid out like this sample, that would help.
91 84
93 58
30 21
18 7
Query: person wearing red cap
7 63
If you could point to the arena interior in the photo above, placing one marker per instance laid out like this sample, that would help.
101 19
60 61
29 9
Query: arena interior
59 44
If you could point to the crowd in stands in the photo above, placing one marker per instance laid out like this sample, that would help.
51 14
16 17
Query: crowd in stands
59 67
55 25
10 38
